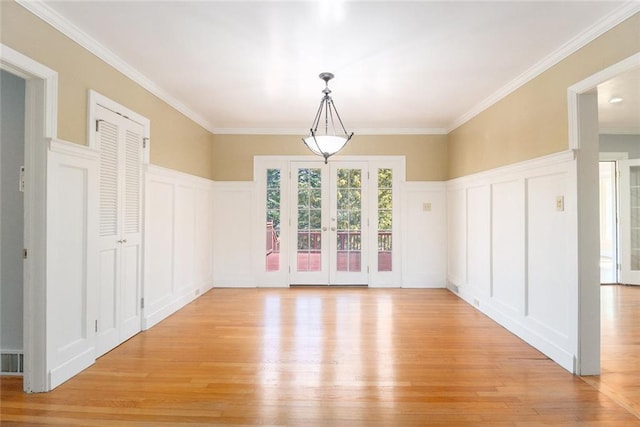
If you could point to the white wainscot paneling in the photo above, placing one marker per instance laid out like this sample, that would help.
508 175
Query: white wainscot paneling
159 241
424 263
203 257
478 239
456 237
178 241
185 223
508 245
233 255
71 259
509 251
547 287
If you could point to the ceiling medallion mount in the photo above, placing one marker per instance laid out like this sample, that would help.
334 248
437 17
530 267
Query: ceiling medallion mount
333 136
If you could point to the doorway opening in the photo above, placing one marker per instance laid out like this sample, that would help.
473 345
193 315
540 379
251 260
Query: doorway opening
40 123
329 224
12 148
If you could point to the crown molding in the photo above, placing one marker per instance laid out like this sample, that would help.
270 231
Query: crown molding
602 26
302 132
53 18
60 23
619 131
401 131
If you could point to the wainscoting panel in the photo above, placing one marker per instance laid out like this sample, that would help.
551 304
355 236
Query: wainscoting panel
234 210
509 250
479 239
456 236
508 245
547 291
159 231
424 261
178 241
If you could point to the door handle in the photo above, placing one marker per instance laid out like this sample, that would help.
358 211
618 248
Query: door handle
333 229
324 228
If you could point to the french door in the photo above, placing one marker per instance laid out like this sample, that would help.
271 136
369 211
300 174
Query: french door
329 223
630 221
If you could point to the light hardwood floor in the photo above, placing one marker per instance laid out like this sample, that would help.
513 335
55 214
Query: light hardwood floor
620 363
322 357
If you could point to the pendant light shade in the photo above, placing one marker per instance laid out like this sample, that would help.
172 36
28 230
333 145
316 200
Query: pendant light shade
332 136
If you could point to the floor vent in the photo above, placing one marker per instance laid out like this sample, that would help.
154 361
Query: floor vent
11 363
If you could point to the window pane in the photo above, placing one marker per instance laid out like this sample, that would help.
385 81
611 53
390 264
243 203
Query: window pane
385 219
273 194
349 219
309 219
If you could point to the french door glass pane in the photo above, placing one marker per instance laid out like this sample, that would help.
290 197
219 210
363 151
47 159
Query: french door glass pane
348 220
309 220
273 220
634 204
385 219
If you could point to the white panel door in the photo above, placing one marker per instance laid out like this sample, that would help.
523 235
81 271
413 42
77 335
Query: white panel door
328 218
120 145
630 221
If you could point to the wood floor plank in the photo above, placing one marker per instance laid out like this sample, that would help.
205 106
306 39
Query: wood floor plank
325 357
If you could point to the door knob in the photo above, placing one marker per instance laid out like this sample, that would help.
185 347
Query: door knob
333 229
324 228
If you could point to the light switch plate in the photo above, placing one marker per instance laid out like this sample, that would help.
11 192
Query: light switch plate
426 207
560 203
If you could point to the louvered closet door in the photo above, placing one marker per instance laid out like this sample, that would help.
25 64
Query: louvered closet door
120 144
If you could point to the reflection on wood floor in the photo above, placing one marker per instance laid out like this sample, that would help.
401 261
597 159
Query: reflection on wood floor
322 357
620 354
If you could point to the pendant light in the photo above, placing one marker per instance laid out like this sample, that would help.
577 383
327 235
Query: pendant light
331 138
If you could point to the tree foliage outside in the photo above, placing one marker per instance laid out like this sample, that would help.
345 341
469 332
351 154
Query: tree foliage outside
348 200
385 199
273 198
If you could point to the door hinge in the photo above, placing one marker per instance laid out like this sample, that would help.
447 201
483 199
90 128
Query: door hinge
21 180
367 269
144 142
96 325
619 267
24 254
98 124
141 302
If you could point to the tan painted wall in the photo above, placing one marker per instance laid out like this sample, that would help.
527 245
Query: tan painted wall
533 120
176 141
426 155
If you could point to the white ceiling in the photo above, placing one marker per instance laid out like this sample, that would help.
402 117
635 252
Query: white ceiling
404 67
622 117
